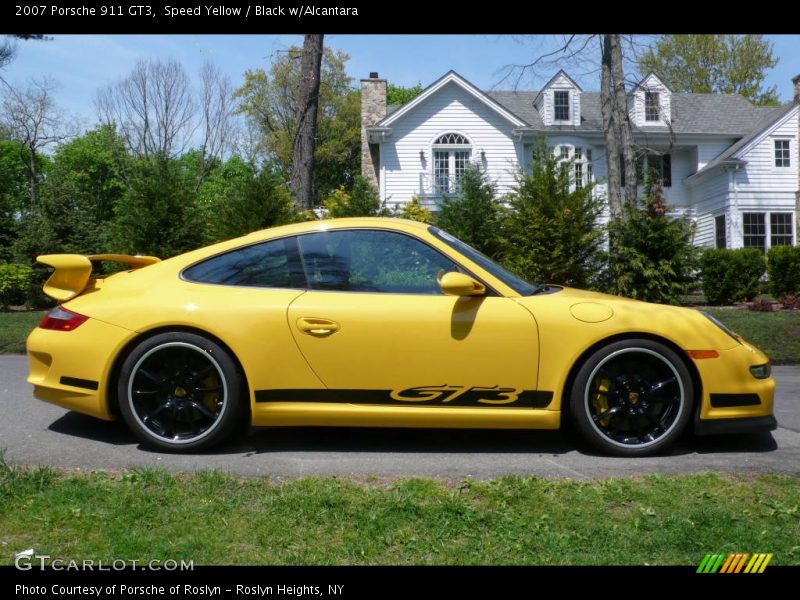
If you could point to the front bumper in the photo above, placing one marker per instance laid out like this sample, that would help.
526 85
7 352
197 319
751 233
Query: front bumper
71 368
733 401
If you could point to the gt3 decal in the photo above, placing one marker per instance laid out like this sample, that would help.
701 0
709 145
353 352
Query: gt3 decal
427 395
458 394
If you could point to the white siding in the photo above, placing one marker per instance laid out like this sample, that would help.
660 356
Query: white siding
711 199
762 185
452 109
708 151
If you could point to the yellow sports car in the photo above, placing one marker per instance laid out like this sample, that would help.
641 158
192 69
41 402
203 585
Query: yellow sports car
380 323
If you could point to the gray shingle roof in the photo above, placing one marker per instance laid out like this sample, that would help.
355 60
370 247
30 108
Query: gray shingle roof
691 113
768 118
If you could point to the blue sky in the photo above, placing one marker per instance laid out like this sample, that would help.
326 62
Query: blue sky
81 64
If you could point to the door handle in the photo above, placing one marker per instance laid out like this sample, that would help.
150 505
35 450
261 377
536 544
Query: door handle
317 327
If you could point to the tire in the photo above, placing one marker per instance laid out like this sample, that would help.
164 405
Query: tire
180 392
644 390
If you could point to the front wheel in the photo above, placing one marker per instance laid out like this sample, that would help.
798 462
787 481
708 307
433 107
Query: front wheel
180 392
632 398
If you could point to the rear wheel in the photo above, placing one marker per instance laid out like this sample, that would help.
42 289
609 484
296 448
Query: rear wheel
632 398
180 392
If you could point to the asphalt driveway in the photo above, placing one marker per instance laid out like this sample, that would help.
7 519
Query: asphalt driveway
36 433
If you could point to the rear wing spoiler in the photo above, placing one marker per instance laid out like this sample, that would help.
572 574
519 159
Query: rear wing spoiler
72 271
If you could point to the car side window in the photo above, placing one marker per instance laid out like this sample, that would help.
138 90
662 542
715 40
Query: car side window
369 260
273 264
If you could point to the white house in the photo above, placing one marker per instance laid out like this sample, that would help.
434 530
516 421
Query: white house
730 165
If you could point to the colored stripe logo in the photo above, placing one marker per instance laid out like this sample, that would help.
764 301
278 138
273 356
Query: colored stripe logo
735 562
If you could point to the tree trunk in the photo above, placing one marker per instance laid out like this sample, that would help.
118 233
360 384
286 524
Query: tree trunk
34 173
306 133
623 119
609 130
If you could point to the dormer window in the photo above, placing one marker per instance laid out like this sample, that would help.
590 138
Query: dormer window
652 108
561 105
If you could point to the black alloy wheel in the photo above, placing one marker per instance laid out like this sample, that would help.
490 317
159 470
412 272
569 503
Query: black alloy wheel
632 398
180 392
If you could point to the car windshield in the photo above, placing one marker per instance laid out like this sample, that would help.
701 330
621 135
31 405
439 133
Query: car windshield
515 282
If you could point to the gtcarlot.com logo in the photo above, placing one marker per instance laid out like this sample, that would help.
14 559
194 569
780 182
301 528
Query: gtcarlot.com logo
29 559
735 562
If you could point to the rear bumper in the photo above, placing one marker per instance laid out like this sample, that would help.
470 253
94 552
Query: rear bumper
71 368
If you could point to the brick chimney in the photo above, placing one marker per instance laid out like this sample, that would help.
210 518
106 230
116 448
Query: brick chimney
796 82
373 109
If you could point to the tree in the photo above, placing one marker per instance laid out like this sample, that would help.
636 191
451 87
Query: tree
13 190
269 100
719 63
651 255
157 213
474 215
550 232
152 107
305 137
30 117
396 94
239 197
78 197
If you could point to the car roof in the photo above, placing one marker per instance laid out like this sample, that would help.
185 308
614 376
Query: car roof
324 224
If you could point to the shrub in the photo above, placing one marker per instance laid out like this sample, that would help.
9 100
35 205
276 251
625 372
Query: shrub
15 280
415 211
362 200
731 275
651 255
761 305
783 264
549 231
790 301
473 216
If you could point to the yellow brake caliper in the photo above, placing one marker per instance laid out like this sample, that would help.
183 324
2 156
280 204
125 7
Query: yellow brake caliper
600 399
211 398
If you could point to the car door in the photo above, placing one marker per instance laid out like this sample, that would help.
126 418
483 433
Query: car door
376 328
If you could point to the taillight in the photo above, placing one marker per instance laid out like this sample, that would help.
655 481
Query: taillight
61 319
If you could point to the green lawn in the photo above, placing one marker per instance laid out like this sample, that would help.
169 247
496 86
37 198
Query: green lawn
212 518
14 328
776 333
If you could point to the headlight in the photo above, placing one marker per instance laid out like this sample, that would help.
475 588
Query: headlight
761 371
721 326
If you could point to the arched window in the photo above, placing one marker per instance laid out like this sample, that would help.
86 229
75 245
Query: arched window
451 154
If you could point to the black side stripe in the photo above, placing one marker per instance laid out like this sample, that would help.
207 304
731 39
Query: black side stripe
87 384
525 399
729 400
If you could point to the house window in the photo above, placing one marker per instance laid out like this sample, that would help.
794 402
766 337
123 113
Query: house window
578 175
564 152
782 153
561 103
651 168
781 229
720 232
589 168
651 106
754 230
451 155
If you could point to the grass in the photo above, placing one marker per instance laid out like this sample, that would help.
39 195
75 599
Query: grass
777 333
212 518
14 329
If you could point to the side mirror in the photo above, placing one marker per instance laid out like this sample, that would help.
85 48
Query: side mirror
458 284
